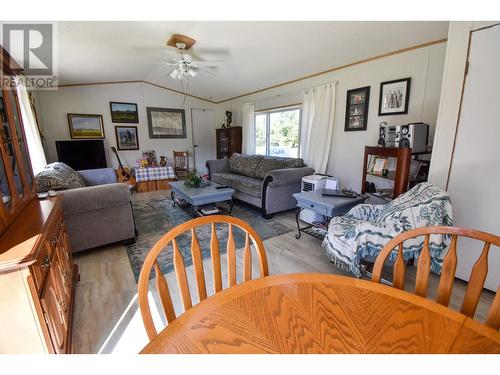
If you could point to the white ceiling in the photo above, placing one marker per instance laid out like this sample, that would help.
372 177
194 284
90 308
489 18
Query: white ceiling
259 54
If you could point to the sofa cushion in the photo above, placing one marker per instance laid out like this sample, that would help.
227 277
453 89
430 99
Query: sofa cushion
244 164
58 176
270 163
248 185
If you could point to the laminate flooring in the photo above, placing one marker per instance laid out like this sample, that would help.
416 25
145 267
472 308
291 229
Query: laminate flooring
107 317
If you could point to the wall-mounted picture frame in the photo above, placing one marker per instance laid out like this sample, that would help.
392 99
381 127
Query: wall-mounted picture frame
85 126
166 122
125 113
127 138
394 97
356 112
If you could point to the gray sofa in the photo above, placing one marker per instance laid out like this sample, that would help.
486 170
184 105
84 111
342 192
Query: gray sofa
97 210
267 182
100 213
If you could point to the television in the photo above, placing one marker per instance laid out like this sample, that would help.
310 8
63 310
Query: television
87 154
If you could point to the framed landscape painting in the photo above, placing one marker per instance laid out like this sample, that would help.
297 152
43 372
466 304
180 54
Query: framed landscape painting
166 122
85 126
124 112
127 138
394 97
356 115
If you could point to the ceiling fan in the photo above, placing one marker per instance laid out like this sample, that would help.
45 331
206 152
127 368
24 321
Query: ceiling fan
184 61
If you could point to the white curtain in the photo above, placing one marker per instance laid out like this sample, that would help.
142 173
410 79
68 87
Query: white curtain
248 124
37 155
318 114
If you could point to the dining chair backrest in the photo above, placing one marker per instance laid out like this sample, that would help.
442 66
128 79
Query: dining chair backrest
151 262
449 265
181 160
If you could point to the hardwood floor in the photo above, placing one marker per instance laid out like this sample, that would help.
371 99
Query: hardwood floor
107 319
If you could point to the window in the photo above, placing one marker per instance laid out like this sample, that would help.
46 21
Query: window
277 132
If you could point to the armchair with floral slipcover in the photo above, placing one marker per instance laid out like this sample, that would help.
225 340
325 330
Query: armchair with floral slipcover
365 229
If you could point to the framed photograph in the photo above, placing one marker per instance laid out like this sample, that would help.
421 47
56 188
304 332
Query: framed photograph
124 112
394 97
377 164
85 126
356 112
150 156
127 138
166 122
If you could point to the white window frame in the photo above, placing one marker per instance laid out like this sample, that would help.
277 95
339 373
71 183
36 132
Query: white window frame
268 113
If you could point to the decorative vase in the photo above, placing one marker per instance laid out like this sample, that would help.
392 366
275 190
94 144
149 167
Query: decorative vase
163 161
229 115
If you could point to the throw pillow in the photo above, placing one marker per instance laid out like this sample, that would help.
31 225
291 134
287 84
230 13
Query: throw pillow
58 176
244 164
270 163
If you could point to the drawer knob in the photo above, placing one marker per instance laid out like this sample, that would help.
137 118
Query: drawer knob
45 262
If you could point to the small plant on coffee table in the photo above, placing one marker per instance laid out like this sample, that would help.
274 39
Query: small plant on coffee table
193 180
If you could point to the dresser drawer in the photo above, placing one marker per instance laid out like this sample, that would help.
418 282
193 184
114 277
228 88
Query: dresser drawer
41 267
45 253
316 207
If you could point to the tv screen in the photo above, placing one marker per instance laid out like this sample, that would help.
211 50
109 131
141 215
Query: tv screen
88 154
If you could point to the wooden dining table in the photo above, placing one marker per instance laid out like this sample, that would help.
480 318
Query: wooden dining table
320 313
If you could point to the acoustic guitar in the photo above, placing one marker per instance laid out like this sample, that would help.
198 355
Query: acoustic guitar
123 173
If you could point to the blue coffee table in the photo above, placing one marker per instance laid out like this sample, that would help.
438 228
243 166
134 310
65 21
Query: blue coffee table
192 200
328 206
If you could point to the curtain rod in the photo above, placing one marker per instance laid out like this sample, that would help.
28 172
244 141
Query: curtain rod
290 92
279 107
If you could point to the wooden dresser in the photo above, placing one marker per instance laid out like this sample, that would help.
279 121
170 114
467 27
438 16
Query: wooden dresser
37 279
37 275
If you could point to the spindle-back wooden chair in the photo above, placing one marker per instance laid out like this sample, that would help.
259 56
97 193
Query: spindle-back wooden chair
181 164
251 237
477 276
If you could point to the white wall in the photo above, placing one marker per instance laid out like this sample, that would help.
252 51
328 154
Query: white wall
449 103
94 99
423 65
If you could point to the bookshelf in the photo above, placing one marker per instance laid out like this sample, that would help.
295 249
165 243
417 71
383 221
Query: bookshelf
400 174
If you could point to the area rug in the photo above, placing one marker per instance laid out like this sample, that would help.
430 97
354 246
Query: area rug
155 217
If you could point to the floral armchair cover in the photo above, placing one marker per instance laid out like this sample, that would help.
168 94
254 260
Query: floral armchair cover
365 229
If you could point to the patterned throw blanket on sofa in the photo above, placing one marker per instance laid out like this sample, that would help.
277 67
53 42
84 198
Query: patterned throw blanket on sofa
366 228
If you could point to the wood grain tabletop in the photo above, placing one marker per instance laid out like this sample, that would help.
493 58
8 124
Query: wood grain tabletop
320 313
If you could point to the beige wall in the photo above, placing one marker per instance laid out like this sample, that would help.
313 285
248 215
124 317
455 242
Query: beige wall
423 65
94 99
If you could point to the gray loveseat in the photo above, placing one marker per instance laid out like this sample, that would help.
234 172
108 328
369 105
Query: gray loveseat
96 214
267 182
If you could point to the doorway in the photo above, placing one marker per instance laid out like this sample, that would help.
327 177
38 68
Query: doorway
203 121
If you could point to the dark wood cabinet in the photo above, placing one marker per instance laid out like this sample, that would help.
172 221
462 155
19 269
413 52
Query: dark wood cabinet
228 141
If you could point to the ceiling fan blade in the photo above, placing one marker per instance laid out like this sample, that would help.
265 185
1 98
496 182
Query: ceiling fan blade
150 62
205 70
207 63
211 51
